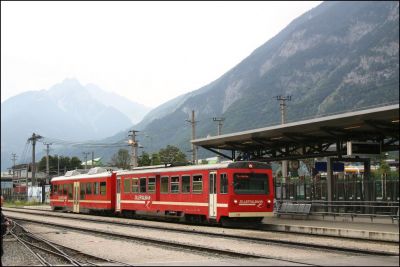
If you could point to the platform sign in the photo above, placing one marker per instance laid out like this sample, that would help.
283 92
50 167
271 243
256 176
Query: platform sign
363 148
322 166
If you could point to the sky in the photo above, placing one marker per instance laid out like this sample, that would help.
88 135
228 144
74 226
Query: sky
149 52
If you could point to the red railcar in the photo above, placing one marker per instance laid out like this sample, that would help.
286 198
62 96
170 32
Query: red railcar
221 193
93 191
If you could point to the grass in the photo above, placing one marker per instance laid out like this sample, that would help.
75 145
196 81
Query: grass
20 203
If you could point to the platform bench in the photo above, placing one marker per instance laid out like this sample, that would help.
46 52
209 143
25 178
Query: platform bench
294 209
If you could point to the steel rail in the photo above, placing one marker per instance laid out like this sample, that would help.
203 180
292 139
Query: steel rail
60 253
29 249
159 242
224 235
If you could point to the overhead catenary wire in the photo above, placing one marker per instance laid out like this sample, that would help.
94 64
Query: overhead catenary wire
61 142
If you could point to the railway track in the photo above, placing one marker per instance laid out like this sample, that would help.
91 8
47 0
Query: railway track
329 244
213 244
176 245
48 253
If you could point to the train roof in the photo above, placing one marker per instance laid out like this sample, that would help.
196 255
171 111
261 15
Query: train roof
227 164
101 173
96 172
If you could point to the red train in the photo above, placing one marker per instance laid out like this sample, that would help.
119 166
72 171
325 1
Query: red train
216 193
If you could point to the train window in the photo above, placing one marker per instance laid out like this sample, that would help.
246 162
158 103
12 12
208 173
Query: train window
175 184
135 185
83 188
152 184
55 189
197 184
143 185
88 188
164 185
65 189
250 183
96 188
185 184
127 185
69 190
60 189
103 188
223 189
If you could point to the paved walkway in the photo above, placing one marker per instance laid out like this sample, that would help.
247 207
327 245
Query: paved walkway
365 230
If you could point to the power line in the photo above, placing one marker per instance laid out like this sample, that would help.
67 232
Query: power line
57 141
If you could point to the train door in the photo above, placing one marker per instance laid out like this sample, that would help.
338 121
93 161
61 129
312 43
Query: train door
212 205
76 197
118 194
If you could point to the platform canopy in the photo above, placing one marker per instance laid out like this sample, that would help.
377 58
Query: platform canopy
317 137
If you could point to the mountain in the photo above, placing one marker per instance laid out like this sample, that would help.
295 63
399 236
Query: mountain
133 110
67 111
334 58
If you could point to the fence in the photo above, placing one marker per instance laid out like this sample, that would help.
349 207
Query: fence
354 197
30 194
342 190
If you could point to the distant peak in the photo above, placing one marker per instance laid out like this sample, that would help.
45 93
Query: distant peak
71 81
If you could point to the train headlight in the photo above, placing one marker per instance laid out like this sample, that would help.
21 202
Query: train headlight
269 201
235 201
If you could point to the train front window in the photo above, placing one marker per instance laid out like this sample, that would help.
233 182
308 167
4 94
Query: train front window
250 183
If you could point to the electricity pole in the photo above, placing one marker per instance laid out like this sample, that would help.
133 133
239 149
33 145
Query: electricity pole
194 148
34 138
58 165
134 145
86 155
220 121
47 158
92 159
282 104
13 159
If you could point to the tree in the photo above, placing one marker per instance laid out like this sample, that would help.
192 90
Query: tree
75 163
65 164
155 159
171 154
144 159
121 159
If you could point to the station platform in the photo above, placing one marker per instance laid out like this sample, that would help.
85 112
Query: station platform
379 230
384 230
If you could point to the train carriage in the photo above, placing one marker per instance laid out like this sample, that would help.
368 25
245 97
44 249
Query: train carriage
93 191
225 192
